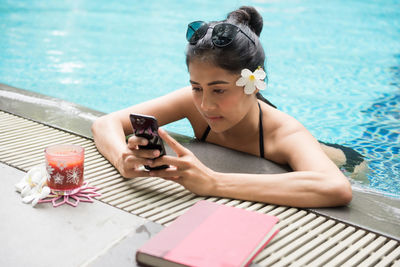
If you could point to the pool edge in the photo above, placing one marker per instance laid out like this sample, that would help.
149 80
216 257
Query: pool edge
362 212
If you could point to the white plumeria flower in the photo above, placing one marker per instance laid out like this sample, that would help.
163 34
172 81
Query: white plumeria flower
252 80
33 185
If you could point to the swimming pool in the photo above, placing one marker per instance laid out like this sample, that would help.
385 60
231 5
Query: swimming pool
335 65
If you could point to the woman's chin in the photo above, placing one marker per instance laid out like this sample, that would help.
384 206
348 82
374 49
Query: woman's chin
218 128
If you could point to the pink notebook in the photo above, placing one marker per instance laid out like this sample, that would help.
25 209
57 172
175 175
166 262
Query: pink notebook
210 234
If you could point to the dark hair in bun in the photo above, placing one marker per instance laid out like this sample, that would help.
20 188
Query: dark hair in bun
249 16
242 52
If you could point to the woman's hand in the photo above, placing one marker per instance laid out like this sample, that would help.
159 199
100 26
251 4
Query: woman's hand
130 163
185 169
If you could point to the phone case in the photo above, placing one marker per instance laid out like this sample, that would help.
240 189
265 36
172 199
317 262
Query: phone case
147 127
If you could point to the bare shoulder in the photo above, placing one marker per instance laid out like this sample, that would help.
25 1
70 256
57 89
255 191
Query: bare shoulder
182 101
278 124
289 142
167 108
171 107
286 137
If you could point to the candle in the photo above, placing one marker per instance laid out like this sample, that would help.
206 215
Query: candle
64 165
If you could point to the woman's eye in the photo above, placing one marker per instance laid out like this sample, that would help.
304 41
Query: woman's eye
196 89
219 91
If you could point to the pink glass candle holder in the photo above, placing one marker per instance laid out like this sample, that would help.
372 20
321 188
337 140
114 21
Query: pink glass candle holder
64 164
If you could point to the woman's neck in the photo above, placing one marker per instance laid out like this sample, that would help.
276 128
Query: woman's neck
246 130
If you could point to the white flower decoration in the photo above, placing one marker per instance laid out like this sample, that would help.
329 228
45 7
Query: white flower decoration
73 175
50 170
33 185
61 164
252 80
58 178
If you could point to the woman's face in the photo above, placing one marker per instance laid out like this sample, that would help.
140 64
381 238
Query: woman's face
216 96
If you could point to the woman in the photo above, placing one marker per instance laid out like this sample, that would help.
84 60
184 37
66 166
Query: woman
223 104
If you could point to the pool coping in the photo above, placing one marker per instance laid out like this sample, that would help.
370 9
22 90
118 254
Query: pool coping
369 210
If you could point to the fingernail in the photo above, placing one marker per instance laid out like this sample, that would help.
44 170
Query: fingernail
156 153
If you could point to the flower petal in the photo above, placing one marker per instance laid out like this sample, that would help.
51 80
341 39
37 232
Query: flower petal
261 85
260 74
20 186
27 199
45 192
242 81
36 177
35 201
34 169
26 191
246 73
249 88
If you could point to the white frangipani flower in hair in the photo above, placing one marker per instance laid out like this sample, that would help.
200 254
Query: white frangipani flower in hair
252 80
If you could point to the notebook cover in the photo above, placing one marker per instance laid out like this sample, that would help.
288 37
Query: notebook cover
210 234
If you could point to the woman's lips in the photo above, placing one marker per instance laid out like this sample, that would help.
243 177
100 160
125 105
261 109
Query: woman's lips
213 118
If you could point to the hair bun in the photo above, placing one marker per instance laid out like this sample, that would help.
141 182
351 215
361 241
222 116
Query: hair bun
248 15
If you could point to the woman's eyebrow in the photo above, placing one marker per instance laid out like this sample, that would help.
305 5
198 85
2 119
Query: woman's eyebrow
211 83
217 82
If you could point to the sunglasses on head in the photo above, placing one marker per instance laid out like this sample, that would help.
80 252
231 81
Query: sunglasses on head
222 34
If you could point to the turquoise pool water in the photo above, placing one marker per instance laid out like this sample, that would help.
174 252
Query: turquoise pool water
334 65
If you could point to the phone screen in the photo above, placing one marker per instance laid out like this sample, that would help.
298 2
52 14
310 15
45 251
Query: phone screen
147 127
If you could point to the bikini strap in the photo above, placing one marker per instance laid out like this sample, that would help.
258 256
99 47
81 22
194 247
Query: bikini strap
261 133
205 134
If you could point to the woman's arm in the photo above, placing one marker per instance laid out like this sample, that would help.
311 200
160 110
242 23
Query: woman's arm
109 131
315 181
297 189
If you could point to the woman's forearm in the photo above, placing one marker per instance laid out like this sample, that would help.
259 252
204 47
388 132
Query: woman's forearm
109 138
299 189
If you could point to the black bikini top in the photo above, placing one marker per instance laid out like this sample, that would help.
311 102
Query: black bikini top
261 133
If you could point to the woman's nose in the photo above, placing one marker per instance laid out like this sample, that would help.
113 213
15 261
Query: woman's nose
207 103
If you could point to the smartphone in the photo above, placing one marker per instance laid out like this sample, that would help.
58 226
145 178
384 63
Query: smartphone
147 127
